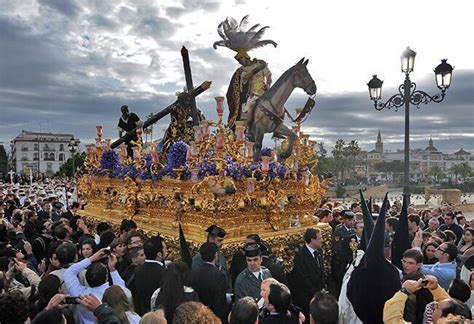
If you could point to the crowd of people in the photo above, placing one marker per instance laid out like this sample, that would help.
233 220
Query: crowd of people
58 267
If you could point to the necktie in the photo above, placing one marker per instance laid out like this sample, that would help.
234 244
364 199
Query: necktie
316 257
259 276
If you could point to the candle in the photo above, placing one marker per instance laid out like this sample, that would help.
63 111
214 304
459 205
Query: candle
249 149
266 163
306 175
194 175
220 140
220 105
240 130
136 153
197 134
99 131
251 185
192 148
155 157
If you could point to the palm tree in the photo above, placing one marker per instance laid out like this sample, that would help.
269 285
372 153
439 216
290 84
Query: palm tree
464 170
339 157
148 130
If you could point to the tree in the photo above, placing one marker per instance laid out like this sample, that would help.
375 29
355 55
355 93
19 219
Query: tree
392 169
3 161
148 130
321 151
351 152
436 173
66 168
463 170
338 154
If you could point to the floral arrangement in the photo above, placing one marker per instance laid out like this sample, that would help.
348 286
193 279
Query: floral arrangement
111 166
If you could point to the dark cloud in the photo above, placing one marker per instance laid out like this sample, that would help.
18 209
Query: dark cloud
61 74
192 5
28 62
158 28
68 8
352 116
175 12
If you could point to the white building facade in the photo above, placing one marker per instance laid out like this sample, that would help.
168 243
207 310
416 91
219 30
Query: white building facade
421 160
45 152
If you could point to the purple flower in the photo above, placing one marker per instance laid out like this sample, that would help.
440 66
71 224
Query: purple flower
148 160
109 160
177 155
266 151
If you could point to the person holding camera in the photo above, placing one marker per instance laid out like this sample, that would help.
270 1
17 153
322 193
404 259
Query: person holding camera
412 262
97 277
443 305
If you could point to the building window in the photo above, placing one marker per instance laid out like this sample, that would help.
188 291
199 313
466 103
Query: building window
35 147
51 157
46 157
61 148
61 156
35 156
49 167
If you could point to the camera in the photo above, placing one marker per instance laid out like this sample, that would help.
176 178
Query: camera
424 283
71 300
108 250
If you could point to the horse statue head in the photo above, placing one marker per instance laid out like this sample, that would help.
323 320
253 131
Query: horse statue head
302 78
270 110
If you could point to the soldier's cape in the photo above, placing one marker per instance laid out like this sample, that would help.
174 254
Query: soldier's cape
401 239
375 280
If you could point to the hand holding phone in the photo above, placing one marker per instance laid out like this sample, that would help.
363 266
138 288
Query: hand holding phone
71 300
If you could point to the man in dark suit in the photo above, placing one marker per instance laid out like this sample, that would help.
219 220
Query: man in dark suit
210 283
449 224
307 276
278 302
71 212
149 275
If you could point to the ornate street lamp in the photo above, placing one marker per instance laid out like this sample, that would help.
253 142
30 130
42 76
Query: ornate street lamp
73 145
408 60
407 94
443 73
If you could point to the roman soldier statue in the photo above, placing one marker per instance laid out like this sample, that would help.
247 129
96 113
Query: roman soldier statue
252 78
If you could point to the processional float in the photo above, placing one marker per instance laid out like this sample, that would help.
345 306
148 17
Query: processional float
206 173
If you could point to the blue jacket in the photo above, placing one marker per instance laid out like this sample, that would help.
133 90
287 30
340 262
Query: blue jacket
444 272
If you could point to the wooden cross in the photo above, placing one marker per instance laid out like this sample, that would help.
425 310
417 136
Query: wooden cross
189 84
11 173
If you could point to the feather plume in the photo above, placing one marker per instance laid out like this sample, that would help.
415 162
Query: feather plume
235 36
264 42
244 22
255 38
219 43
253 28
220 31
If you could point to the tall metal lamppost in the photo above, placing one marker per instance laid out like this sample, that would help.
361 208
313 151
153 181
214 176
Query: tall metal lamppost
408 94
73 148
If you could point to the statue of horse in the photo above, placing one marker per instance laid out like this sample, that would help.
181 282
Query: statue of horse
270 111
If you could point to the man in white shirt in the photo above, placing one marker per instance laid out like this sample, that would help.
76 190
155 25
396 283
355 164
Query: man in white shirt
97 278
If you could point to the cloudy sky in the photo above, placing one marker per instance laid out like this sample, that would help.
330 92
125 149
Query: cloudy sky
67 65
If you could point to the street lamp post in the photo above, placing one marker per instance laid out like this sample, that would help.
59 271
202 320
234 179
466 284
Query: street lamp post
73 148
408 94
